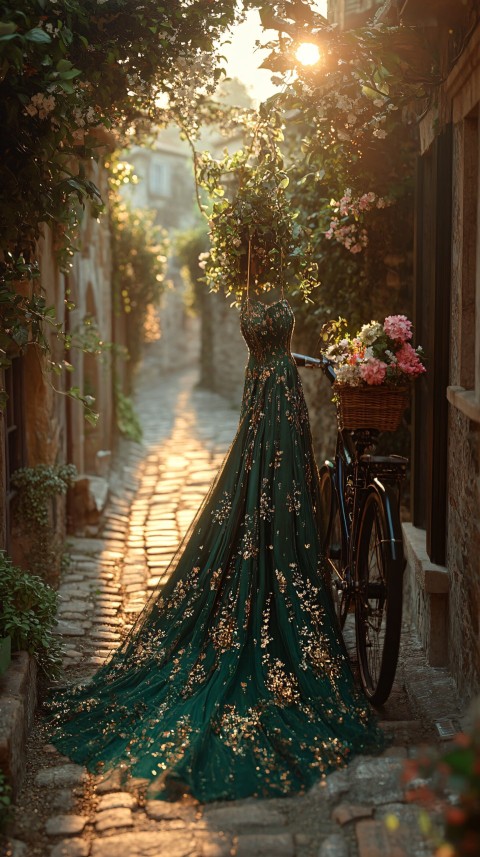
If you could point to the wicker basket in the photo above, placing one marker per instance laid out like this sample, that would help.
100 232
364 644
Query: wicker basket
377 407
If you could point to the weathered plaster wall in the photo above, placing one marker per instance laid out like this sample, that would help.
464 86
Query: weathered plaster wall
91 292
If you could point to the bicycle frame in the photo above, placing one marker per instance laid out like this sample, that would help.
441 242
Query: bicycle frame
352 478
353 472
361 494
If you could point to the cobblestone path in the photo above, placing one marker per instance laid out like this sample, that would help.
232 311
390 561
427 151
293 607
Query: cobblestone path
64 812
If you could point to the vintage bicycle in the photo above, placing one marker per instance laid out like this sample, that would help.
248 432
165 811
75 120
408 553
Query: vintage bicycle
363 544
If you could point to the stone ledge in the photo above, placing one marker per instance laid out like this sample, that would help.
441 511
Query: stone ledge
465 401
433 578
18 698
428 586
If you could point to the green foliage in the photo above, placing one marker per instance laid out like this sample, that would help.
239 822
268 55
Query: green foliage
28 615
69 71
191 248
252 222
127 420
5 800
71 68
139 248
36 488
351 139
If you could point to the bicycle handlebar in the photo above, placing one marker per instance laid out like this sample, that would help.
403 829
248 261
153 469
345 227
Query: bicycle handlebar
322 363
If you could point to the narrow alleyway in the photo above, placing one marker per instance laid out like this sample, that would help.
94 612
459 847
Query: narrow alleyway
64 812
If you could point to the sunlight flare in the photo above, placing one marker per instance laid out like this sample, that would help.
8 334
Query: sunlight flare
307 53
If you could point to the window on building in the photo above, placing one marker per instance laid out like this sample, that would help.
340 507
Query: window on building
159 179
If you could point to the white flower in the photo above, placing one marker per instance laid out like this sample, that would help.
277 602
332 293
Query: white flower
348 375
79 120
41 104
380 133
370 332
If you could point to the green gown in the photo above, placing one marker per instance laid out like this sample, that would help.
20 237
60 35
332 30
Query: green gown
235 680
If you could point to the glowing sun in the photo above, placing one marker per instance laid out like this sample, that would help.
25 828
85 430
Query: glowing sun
307 53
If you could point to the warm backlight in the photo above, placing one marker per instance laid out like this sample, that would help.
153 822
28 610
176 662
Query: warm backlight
307 53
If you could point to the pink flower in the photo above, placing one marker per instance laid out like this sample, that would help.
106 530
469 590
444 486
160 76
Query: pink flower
408 361
373 371
398 327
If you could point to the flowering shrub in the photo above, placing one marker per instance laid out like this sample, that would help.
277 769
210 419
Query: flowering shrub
377 354
342 229
447 786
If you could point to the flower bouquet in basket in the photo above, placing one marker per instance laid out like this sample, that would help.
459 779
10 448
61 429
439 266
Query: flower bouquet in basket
374 369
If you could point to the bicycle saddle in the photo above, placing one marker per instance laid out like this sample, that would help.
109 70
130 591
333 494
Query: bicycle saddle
383 459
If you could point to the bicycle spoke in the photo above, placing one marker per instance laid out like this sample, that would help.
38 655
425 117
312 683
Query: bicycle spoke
378 609
333 546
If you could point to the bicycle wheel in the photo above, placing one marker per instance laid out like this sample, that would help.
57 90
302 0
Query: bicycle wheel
378 607
332 544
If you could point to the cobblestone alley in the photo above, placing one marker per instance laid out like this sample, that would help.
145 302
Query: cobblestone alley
64 812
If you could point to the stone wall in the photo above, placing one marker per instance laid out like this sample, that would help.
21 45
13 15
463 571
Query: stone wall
224 353
318 395
178 328
91 292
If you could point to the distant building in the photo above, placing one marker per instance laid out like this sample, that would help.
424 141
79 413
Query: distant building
352 13
166 183
166 186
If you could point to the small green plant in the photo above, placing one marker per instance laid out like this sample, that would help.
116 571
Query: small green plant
139 258
127 420
28 608
35 488
5 800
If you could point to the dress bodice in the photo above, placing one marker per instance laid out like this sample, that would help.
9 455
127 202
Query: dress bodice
267 329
